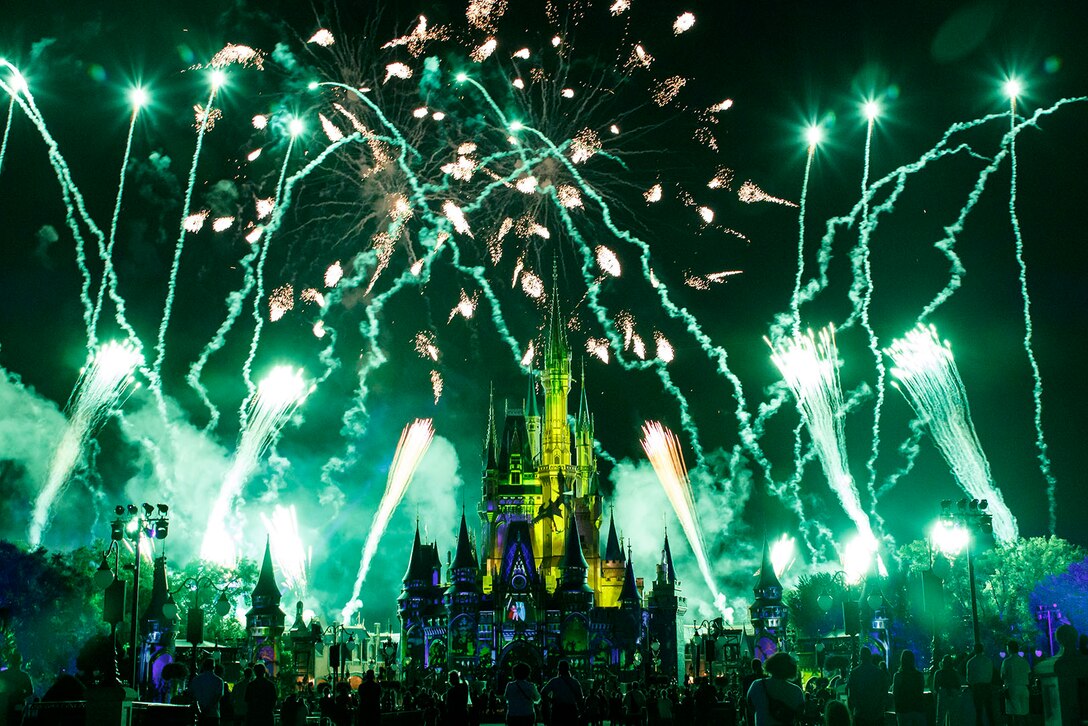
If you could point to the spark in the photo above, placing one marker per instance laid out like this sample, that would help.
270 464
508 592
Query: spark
254 235
526 185
653 194
322 37
638 345
598 347
722 179
291 556
280 302
465 307
639 58
494 242
532 285
614 129
926 373
264 207
333 274
100 391
205 118
438 116
454 214
484 50
683 23
569 196
663 450
415 439
436 385
417 40
667 90
484 14
425 345
607 261
222 224
707 214
319 329
520 85
750 193
195 222
522 53
278 396
530 353
420 112
260 122
241 55
252 156
397 70
584 145
619 7
724 105
556 41
331 132
312 295
665 352
783 554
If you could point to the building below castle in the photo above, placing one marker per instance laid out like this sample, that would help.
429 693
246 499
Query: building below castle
536 586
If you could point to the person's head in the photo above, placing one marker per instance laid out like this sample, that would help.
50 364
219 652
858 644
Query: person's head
259 671
979 650
906 661
247 673
757 666
522 671
865 656
948 662
1012 647
219 670
781 665
563 668
836 714
207 665
455 678
369 675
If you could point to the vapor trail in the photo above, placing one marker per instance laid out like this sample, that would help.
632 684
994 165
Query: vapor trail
291 555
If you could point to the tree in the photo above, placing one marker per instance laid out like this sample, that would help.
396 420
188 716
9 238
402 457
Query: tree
1066 590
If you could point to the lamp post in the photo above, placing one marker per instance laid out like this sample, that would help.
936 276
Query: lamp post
194 617
714 629
971 515
1049 613
339 649
131 523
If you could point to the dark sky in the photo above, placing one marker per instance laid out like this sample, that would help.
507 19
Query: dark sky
784 65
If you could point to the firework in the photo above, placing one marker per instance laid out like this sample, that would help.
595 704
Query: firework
100 389
414 442
663 450
809 367
278 395
291 555
925 372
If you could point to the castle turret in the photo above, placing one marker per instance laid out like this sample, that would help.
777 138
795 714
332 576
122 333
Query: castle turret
612 568
463 597
532 419
768 613
265 620
666 608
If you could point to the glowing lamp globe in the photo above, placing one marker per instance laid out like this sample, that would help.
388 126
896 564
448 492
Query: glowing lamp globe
170 608
222 605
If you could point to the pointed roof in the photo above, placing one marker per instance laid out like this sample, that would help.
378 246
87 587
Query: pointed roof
266 583
767 578
572 547
555 348
666 560
612 550
585 423
417 561
629 592
465 556
160 594
531 406
491 442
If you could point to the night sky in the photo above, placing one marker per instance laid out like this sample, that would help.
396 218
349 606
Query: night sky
783 66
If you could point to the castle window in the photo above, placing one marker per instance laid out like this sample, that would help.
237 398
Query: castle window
515 478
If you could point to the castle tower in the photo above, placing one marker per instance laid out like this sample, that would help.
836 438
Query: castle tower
156 629
421 600
666 608
265 620
767 612
532 419
612 566
463 598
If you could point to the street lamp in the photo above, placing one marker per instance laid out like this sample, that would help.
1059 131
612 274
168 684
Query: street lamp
194 617
339 649
714 629
972 517
131 523
1049 613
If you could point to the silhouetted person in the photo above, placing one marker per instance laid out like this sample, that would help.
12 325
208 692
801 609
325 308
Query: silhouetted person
746 683
238 696
980 681
865 691
908 685
946 687
1015 672
207 689
837 713
370 700
776 700
15 688
456 701
260 698
566 695
522 698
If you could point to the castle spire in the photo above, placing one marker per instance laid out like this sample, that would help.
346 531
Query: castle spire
417 567
572 547
465 556
767 577
613 552
266 587
531 407
555 348
629 594
491 439
666 560
585 423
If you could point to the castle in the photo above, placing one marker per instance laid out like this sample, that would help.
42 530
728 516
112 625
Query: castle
538 588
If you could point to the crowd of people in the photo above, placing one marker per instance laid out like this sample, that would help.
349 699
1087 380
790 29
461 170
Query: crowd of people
957 690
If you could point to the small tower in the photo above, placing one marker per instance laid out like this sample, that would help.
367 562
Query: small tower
575 592
667 607
612 568
768 613
421 598
532 419
462 599
156 629
583 444
265 620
